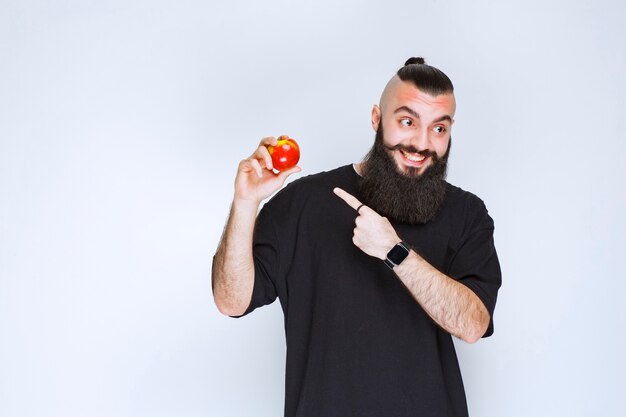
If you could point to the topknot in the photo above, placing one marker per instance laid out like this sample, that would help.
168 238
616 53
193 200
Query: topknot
425 77
415 60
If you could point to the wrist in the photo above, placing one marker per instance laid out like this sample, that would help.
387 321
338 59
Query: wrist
389 243
245 204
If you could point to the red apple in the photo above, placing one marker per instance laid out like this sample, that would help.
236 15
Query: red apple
285 154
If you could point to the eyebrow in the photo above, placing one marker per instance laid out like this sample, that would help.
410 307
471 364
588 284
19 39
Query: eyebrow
417 116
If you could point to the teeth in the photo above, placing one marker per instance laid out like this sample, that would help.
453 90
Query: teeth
412 157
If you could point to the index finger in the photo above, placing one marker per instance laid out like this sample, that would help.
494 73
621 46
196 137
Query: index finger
347 197
268 140
262 154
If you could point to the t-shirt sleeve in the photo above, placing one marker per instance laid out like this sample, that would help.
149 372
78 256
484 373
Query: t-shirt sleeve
476 264
266 262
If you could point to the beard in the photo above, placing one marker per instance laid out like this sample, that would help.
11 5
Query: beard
404 197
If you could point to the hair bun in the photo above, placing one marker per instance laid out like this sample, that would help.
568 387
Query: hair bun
415 60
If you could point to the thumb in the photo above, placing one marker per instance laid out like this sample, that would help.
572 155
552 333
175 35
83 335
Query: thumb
284 174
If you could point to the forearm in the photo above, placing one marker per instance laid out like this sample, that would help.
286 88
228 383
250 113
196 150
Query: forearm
233 267
449 303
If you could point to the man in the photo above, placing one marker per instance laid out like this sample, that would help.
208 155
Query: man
370 302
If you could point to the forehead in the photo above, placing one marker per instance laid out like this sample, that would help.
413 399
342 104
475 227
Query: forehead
402 93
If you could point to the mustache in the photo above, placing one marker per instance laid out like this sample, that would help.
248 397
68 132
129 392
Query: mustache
425 153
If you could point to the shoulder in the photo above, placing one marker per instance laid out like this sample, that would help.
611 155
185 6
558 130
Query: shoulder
459 197
339 175
468 207
315 185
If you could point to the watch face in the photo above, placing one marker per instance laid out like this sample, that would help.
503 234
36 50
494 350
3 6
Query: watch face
397 254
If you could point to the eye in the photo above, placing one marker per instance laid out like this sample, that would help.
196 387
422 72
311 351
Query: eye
439 129
406 122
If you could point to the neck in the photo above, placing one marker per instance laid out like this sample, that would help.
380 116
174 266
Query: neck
358 167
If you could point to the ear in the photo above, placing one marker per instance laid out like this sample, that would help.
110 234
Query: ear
376 114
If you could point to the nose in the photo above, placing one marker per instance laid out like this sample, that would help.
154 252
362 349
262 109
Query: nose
421 140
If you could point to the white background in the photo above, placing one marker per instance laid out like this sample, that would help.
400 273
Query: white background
121 126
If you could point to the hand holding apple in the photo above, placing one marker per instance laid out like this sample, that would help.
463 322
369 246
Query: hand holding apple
256 179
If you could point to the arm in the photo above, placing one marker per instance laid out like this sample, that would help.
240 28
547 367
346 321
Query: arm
233 265
449 303
452 305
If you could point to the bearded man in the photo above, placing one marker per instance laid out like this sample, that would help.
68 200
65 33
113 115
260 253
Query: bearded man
376 265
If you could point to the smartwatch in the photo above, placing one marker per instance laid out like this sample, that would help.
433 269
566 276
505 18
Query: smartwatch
397 254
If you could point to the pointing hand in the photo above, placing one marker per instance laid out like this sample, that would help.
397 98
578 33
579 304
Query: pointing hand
373 234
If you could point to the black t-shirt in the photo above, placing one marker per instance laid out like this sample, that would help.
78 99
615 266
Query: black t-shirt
358 344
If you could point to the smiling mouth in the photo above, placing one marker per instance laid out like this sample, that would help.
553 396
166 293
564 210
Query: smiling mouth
413 157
